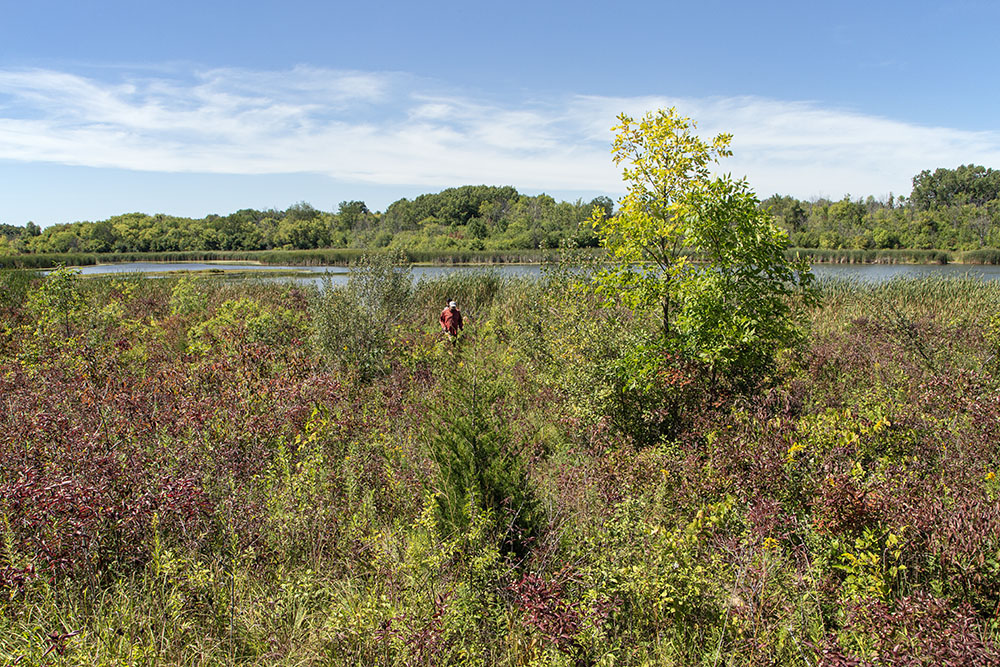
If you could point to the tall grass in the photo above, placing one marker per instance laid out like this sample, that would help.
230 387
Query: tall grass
317 257
475 292
982 256
924 294
344 257
882 256
15 283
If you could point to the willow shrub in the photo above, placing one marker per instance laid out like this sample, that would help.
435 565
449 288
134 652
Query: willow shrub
353 325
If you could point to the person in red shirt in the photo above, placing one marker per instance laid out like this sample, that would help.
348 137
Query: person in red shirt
451 320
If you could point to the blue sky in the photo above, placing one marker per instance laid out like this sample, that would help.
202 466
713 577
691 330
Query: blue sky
191 108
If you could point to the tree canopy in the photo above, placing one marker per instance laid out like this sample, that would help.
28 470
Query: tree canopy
474 217
949 209
698 246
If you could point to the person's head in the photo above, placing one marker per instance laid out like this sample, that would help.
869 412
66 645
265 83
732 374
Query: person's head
452 305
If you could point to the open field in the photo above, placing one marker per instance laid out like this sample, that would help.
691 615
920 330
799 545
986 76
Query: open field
200 472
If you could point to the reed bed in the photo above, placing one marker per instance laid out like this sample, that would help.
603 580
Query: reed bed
320 257
982 256
884 256
345 256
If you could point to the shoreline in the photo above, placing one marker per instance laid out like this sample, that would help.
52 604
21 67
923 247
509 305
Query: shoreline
343 257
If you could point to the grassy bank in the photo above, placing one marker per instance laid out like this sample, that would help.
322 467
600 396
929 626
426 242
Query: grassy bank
205 472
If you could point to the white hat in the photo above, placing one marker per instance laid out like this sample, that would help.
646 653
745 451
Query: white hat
452 304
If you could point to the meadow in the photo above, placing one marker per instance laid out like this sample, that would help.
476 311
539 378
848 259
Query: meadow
207 472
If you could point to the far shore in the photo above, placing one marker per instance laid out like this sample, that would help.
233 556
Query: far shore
344 257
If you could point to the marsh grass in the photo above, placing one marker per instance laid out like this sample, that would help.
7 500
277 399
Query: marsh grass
875 256
317 257
982 256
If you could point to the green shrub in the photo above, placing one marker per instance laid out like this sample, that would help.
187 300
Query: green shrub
243 321
353 325
186 297
58 303
650 388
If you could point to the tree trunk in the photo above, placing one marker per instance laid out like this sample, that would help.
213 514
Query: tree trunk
666 317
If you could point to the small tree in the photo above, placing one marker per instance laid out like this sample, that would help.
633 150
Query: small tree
697 246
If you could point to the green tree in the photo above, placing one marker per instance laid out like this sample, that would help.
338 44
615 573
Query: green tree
846 216
972 184
11 231
698 247
350 214
787 211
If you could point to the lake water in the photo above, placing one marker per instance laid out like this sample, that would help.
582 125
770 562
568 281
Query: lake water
337 274
880 273
875 273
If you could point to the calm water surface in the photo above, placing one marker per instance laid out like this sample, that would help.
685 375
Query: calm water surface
880 273
337 274
875 273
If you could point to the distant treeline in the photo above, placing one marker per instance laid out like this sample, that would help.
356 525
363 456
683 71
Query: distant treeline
950 214
948 209
466 219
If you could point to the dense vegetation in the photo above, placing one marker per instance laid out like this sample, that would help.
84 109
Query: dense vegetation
948 210
199 472
316 257
457 219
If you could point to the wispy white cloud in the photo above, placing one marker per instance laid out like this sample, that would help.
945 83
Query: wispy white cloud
394 129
